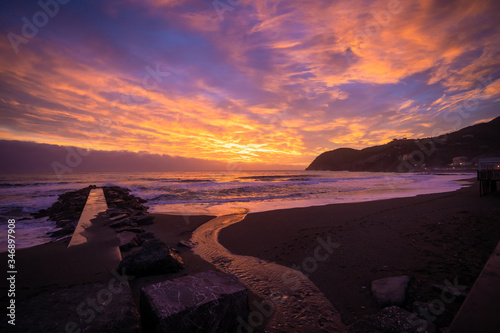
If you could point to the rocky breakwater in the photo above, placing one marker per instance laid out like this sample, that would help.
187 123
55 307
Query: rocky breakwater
143 254
126 215
66 211
208 301
205 302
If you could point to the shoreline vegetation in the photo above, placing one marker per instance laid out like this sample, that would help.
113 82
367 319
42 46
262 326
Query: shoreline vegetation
435 239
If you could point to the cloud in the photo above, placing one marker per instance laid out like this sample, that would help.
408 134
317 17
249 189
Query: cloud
271 81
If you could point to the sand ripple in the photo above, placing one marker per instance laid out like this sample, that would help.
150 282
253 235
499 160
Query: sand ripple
297 304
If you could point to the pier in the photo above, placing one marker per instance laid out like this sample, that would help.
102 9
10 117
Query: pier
488 173
90 233
96 203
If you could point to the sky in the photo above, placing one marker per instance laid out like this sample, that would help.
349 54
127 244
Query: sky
237 81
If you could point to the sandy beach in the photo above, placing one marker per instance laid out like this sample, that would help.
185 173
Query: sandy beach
432 238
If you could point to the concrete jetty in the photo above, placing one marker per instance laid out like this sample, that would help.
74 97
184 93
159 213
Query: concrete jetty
96 203
479 312
92 233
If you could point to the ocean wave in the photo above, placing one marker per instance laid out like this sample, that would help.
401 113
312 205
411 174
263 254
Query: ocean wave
177 180
8 185
196 180
176 200
278 177
352 190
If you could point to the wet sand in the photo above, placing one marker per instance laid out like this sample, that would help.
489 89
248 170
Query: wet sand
429 237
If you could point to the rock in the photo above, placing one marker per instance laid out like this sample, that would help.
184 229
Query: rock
154 258
391 290
128 240
129 246
136 213
127 222
120 198
204 302
185 243
66 211
63 223
125 237
145 220
112 212
146 236
66 230
131 229
392 320
118 217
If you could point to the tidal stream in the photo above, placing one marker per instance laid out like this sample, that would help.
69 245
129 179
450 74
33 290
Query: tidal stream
292 302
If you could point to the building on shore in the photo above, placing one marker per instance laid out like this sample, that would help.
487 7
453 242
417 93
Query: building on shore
488 173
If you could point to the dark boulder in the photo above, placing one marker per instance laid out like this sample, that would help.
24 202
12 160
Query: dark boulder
129 228
154 258
124 222
68 229
128 240
204 302
391 290
145 219
146 236
66 211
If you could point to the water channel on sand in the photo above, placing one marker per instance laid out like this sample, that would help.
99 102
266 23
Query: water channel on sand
298 305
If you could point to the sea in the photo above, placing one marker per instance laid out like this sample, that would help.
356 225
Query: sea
210 193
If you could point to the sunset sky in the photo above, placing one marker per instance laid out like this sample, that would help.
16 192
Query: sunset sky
268 82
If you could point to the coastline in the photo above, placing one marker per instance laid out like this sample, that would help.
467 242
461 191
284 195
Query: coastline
431 238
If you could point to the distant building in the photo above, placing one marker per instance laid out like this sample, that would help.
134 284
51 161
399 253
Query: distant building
460 161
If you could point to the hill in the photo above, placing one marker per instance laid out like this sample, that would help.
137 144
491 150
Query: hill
461 149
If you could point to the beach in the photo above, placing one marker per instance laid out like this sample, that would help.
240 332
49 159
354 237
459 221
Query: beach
250 166
46 270
432 238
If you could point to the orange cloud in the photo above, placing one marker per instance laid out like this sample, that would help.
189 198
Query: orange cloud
272 81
